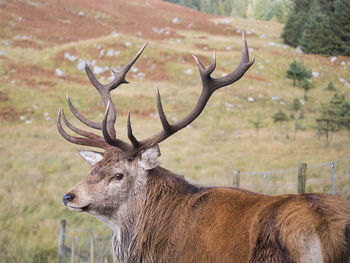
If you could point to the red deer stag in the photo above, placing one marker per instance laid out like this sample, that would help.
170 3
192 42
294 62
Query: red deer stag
157 216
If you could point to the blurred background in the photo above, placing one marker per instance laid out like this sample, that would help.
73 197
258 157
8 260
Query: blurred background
291 107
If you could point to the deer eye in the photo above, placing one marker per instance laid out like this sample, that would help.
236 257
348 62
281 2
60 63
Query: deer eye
118 176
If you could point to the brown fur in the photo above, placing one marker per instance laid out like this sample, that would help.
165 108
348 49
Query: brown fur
183 223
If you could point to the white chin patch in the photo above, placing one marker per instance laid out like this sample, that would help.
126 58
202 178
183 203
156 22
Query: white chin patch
107 221
75 209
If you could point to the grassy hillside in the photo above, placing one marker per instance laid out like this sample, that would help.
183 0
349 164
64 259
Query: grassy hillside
41 39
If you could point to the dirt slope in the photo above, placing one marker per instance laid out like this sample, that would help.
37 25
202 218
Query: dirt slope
39 23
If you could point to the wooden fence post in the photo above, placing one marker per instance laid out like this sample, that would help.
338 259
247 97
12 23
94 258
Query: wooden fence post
61 237
72 252
91 249
236 174
302 178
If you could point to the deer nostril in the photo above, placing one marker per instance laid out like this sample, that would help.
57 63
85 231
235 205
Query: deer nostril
68 198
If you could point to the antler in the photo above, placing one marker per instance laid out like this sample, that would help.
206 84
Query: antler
109 130
209 85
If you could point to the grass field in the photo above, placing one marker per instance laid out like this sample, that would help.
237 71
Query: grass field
37 166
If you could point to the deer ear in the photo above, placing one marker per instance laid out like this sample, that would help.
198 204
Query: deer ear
149 158
91 157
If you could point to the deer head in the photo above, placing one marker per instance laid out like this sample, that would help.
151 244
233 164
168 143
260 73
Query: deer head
119 175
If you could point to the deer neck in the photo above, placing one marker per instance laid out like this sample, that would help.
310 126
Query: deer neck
166 197
137 223
125 225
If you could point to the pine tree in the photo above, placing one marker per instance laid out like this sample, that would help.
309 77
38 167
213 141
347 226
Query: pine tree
322 27
263 10
257 123
238 8
297 71
281 9
341 25
273 9
317 34
295 23
232 7
341 109
330 86
296 106
326 123
332 115
306 85
345 111
209 6
194 4
280 117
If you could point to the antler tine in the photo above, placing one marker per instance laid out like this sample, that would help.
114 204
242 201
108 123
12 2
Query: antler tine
206 71
209 85
120 75
199 64
131 136
79 131
244 65
78 140
92 124
104 90
112 141
212 66
162 117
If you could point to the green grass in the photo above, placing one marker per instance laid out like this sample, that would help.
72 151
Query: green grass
37 166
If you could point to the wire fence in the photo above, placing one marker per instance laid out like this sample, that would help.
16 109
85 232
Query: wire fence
79 246
332 177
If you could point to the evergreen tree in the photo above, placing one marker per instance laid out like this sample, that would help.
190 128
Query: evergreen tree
317 34
297 71
238 8
333 116
295 22
341 109
328 121
217 7
257 123
281 9
341 25
296 107
322 27
330 86
269 9
263 10
194 4
306 85
280 117
345 111
232 7
209 6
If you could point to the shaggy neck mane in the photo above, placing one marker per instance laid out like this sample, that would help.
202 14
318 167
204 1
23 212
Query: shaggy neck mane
166 195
